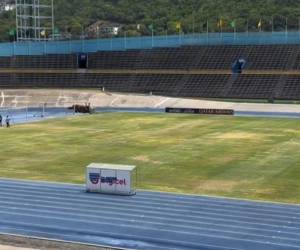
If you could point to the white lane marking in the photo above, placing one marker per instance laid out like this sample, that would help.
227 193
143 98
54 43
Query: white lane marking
213 200
145 192
168 207
79 185
105 213
203 217
182 203
174 211
151 223
86 231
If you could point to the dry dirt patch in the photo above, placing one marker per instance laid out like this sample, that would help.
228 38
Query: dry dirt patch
145 159
240 135
13 248
217 185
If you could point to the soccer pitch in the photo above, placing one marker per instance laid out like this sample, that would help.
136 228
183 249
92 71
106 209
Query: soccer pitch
253 158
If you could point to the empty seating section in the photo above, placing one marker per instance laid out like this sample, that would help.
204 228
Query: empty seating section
269 57
296 65
169 58
207 86
50 61
257 57
157 58
291 89
159 84
253 86
111 82
21 80
5 62
114 59
260 57
46 62
5 81
259 82
220 57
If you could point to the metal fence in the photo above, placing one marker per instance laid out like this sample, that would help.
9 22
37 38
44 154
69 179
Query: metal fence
124 43
26 114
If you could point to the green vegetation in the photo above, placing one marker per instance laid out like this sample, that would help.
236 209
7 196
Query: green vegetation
253 158
73 15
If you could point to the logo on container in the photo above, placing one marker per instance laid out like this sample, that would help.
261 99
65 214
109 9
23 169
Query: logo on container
113 180
94 178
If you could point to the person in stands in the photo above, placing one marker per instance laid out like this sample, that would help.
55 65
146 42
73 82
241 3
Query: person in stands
0 120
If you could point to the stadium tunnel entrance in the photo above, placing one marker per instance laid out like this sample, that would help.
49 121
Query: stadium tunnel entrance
82 60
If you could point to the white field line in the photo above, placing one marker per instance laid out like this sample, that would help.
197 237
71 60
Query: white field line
162 102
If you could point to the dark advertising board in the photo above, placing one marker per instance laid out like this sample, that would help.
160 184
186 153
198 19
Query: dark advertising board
200 111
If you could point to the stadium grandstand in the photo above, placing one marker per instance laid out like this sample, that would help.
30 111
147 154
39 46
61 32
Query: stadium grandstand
186 69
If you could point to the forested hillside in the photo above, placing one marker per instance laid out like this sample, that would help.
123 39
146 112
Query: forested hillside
170 15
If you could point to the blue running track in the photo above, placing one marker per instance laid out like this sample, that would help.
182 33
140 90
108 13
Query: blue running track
148 220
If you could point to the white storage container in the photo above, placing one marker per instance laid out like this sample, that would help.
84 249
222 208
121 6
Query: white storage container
111 179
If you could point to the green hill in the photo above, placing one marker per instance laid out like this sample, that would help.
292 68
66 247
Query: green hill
72 15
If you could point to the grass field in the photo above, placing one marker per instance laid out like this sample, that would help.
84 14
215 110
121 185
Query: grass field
252 158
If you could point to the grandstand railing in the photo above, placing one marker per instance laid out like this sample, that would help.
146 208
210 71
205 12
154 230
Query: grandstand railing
115 44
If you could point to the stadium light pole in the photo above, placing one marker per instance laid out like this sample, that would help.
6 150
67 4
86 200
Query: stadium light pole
152 36
207 38
286 28
221 28
52 9
70 47
125 40
193 24
234 31
82 39
29 48
180 38
45 47
14 48
207 27
97 37
111 41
